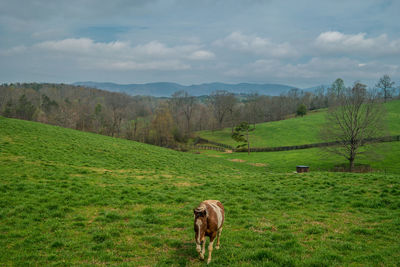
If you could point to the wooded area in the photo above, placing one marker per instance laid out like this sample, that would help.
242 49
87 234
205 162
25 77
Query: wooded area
166 122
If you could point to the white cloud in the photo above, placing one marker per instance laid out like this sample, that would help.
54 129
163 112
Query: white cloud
331 55
13 51
152 65
337 42
240 58
317 68
201 55
82 46
119 55
155 49
257 45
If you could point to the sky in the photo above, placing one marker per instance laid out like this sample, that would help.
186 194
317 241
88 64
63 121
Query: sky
301 43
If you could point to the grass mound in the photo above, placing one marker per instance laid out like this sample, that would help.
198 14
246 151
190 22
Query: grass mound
74 198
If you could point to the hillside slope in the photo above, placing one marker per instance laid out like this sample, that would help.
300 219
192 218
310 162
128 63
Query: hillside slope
296 131
75 198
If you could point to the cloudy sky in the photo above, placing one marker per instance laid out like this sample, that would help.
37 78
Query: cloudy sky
301 43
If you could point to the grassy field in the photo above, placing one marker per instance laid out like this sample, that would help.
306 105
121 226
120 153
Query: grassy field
385 160
295 131
74 198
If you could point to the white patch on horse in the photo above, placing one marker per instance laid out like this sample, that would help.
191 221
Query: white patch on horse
218 212
198 223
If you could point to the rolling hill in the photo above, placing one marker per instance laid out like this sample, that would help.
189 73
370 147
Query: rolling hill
296 131
304 130
76 198
165 89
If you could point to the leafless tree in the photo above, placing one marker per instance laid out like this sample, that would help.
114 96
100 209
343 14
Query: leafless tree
202 118
183 104
253 108
162 126
355 117
386 85
117 103
221 102
335 90
319 100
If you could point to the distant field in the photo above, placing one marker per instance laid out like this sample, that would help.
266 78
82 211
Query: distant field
386 159
72 198
295 131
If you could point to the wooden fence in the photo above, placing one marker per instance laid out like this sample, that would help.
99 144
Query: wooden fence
222 147
205 147
325 144
200 140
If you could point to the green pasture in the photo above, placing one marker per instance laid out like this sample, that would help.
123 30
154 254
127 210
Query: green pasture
384 159
296 131
69 198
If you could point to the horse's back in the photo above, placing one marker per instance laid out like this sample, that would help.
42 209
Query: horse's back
217 210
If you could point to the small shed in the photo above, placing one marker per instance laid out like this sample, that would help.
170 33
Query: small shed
302 168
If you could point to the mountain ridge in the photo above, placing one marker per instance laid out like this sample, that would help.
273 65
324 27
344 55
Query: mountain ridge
166 89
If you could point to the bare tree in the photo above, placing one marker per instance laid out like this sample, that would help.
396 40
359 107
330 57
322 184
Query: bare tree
202 118
253 108
355 117
293 100
319 100
335 90
221 102
386 85
232 111
183 103
162 126
117 103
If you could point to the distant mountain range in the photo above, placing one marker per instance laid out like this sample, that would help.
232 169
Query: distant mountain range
165 89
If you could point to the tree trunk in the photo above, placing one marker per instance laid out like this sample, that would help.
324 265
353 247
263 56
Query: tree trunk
351 165
221 120
134 130
248 143
353 149
232 121
188 126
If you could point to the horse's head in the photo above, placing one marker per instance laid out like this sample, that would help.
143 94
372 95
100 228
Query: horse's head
200 225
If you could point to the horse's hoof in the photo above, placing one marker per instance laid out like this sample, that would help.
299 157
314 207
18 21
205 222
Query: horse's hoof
208 262
217 247
202 258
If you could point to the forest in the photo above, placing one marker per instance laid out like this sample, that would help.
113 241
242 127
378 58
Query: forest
168 122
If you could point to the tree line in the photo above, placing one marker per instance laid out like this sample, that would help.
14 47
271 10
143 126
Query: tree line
167 122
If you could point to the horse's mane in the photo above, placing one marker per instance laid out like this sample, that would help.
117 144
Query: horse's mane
201 207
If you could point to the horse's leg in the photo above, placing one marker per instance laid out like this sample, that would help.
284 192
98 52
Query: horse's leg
203 248
218 235
210 247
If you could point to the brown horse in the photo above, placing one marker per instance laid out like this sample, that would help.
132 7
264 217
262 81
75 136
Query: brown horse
208 220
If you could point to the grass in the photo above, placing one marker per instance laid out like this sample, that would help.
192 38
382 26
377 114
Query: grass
295 131
387 161
75 198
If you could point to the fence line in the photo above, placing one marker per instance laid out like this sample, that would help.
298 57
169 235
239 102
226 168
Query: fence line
216 148
222 147
200 140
